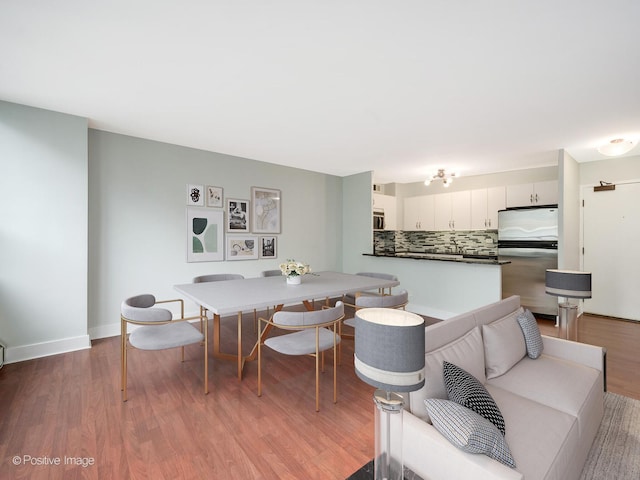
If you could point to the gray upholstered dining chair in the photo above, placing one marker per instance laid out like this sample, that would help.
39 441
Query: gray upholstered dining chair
156 330
270 273
314 332
349 298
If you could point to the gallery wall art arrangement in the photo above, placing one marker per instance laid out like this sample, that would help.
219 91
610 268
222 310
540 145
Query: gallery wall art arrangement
219 230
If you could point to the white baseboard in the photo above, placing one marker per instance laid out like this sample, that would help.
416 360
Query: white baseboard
44 349
105 331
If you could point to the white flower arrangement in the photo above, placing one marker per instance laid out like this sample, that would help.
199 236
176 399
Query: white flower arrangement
291 268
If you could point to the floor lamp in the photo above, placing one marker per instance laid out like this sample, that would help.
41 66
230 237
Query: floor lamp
568 284
389 355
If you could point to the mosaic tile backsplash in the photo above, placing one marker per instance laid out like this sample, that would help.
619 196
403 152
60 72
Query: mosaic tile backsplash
470 242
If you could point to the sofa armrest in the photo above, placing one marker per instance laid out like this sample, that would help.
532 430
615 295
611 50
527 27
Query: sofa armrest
430 455
588 355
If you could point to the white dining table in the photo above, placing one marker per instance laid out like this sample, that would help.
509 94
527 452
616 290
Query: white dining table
230 297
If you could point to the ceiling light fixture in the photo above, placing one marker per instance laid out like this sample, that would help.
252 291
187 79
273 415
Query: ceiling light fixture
447 178
618 146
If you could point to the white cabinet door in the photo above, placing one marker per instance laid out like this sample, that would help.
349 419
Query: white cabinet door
546 193
531 194
461 210
485 203
479 209
496 200
453 210
418 213
520 195
442 205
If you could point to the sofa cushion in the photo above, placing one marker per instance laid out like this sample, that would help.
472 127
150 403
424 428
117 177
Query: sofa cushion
531 332
503 345
467 430
561 384
465 389
467 352
543 441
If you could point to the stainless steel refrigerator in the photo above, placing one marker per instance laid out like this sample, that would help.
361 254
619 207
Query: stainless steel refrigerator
528 238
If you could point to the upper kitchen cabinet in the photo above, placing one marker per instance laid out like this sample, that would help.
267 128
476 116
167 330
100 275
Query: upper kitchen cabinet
388 204
485 203
419 213
453 210
531 194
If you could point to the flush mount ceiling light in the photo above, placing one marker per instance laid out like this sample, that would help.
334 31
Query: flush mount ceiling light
618 146
447 178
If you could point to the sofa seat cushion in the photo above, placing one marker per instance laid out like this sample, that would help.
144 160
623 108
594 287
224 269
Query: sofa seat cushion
557 383
542 440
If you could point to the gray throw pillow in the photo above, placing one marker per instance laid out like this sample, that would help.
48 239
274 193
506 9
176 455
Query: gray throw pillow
531 331
466 390
468 431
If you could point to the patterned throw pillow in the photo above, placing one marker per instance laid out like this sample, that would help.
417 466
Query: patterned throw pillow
468 431
466 390
532 337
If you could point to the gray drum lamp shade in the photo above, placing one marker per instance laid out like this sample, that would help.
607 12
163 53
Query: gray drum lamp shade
568 283
389 349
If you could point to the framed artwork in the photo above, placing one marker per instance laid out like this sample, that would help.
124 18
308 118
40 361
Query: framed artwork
268 247
242 247
214 196
266 204
205 230
238 216
195 195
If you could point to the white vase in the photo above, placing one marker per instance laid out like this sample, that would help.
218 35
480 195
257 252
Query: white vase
294 279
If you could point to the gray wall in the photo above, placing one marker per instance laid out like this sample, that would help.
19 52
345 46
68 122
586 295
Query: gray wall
43 233
137 229
91 217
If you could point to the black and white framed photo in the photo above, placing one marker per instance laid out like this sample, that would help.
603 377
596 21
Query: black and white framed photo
266 204
214 196
195 195
238 216
242 247
205 231
268 247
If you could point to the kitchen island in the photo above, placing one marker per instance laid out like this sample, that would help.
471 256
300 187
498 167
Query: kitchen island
442 285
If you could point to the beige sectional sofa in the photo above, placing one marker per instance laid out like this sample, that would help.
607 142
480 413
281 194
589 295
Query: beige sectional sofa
552 406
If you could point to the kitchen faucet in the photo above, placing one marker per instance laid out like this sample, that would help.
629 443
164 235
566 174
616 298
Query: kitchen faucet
455 244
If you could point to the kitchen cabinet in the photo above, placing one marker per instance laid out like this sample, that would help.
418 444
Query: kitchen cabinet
453 210
419 213
485 203
389 205
531 194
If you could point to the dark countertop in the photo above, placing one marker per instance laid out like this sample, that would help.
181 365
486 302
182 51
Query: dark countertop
442 257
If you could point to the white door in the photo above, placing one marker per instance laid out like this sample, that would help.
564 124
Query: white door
611 228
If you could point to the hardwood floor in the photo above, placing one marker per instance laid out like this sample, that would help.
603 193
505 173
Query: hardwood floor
70 406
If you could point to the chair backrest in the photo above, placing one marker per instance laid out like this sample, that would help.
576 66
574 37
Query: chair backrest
217 277
383 301
139 309
305 319
385 276
270 273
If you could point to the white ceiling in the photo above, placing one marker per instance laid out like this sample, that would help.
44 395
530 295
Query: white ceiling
338 86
